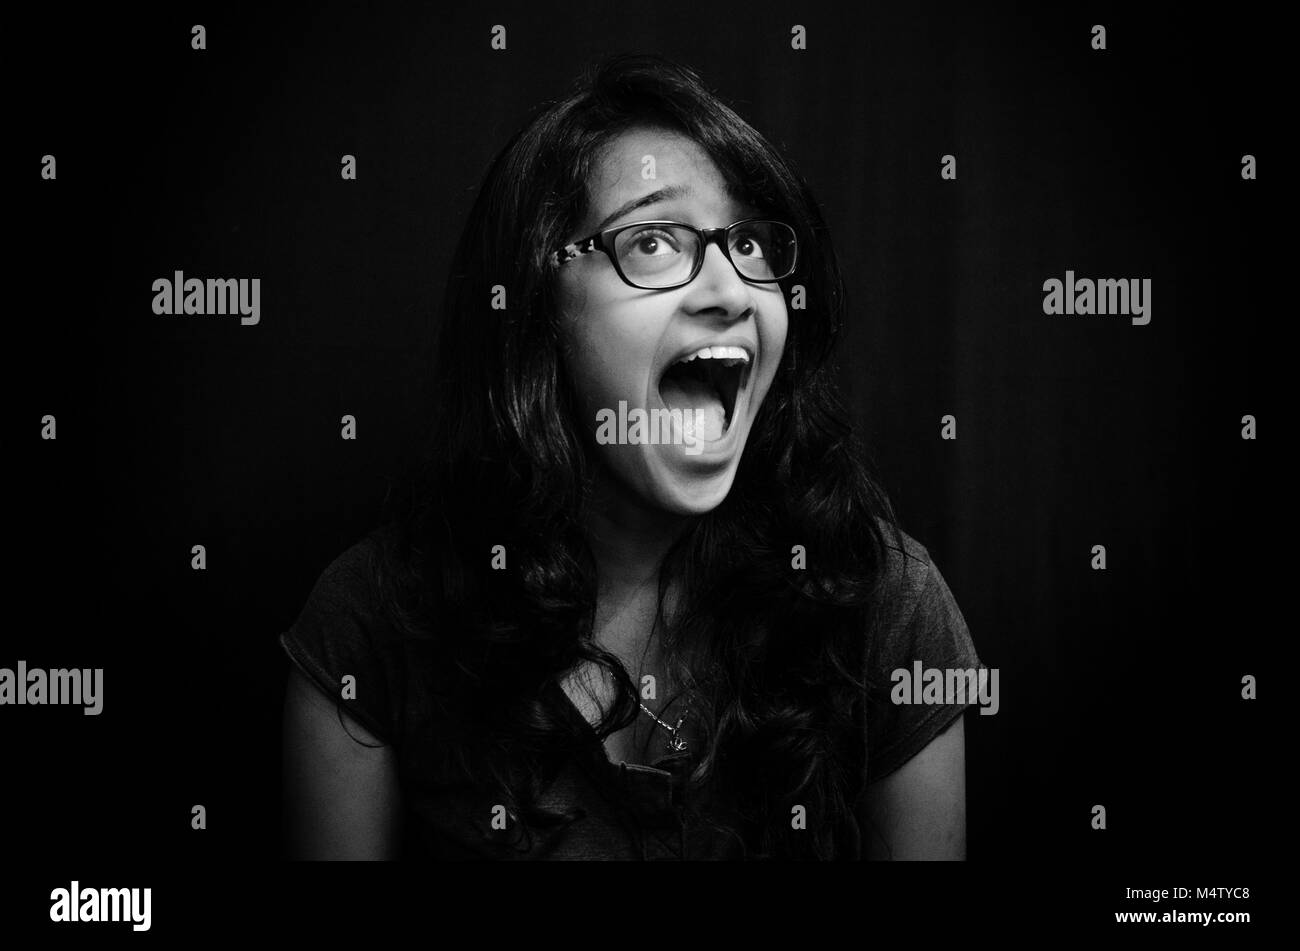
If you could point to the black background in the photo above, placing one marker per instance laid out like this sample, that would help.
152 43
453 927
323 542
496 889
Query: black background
1119 688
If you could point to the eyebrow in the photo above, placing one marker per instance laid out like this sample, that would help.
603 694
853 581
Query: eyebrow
667 193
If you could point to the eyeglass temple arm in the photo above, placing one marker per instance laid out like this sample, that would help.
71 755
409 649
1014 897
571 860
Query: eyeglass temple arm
571 251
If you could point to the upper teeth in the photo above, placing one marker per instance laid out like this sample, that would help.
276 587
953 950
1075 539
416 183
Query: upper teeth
717 353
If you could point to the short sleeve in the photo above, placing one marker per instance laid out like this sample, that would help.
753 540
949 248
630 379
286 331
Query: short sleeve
339 634
923 668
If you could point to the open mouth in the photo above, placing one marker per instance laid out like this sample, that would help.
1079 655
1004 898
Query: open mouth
704 386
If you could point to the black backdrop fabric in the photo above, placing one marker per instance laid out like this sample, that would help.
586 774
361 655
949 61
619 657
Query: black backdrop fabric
1119 687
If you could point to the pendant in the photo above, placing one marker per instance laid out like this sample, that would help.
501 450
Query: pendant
676 744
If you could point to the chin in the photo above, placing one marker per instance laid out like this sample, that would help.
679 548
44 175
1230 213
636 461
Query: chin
695 496
684 484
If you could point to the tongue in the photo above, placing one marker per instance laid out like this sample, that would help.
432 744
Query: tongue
689 395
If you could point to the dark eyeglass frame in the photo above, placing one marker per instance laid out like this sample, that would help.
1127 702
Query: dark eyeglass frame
604 241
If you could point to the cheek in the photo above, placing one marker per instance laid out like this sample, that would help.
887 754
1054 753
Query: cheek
774 332
580 343
607 358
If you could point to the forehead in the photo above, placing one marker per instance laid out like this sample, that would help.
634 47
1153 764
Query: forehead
621 173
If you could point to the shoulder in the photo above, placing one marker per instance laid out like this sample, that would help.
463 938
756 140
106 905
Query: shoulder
341 640
916 609
910 588
350 576
350 583
907 568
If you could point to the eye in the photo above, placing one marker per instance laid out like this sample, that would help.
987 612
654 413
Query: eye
650 242
749 244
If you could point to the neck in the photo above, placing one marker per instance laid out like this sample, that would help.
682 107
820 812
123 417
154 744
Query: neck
629 540
628 537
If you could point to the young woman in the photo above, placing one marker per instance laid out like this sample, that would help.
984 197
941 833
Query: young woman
580 636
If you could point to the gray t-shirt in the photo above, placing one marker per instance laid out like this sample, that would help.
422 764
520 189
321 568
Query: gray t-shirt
627 811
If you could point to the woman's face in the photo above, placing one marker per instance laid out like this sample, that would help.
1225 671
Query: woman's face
627 349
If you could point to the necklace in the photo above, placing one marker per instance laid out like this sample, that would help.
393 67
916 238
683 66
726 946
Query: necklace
675 743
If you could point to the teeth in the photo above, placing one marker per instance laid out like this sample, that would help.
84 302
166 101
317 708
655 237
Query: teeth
732 355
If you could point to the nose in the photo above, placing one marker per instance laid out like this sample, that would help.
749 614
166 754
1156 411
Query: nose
719 290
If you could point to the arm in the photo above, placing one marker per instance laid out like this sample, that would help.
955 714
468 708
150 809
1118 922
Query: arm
341 798
919 810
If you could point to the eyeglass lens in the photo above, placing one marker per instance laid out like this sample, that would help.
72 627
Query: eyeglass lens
660 255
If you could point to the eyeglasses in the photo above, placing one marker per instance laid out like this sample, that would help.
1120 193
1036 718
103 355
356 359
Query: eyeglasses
657 255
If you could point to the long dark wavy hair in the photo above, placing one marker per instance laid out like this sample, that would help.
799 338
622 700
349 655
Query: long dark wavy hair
776 660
